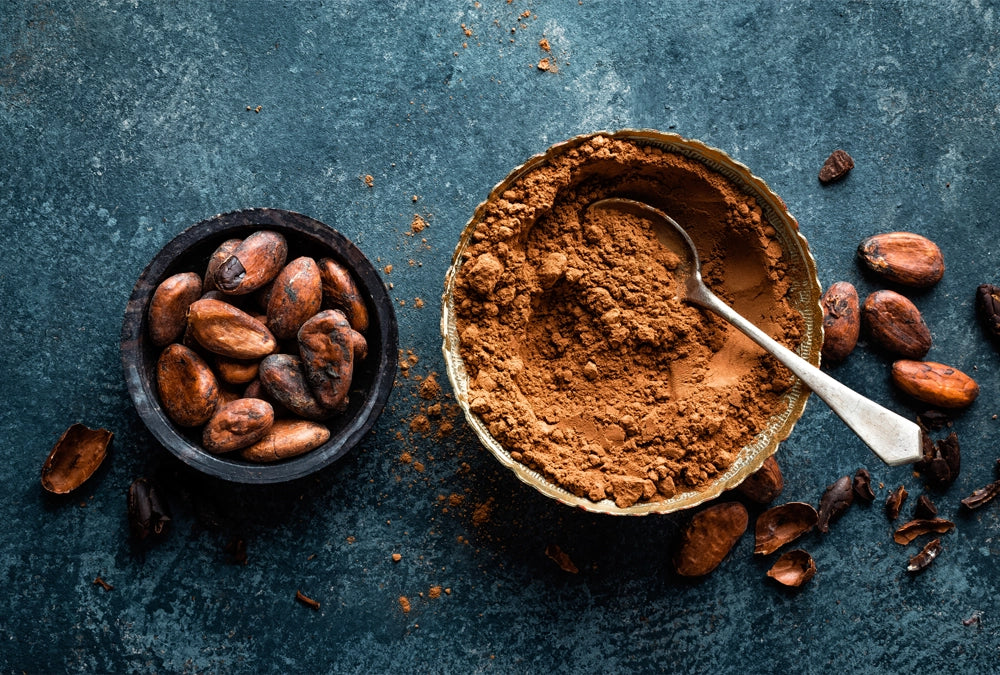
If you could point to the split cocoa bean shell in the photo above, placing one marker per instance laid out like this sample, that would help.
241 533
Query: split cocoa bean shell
925 508
188 389
148 514
935 383
895 324
915 528
340 292
988 309
793 568
982 496
837 498
74 458
256 261
329 348
223 329
283 377
903 258
709 537
287 438
295 295
841 321
219 256
783 524
765 484
862 486
169 306
927 555
894 502
237 425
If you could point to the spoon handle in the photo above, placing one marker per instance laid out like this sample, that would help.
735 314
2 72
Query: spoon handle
893 438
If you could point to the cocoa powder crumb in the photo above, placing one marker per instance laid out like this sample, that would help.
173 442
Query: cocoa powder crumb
369 180
404 604
418 224
434 592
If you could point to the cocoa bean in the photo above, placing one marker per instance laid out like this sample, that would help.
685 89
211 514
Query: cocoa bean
283 378
188 389
904 258
765 484
988 309
836 166
255 262
236 371
74 458
329 347
895 324
237 425
169 305
287 438
296 295
935 383
220 255
223 329
340 292
709 537
841 321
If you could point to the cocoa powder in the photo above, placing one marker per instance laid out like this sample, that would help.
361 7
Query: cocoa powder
583 362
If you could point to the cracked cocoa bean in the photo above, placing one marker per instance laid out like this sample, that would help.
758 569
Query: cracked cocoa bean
837 498
255 262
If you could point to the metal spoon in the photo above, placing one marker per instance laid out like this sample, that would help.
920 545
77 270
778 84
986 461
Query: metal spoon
894 439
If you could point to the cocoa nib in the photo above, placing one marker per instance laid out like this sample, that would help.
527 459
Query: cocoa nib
894 502
836 166
147 512
863 486
925 508
933 420
942 461
982 496
907 532
836 500
927 555
988 308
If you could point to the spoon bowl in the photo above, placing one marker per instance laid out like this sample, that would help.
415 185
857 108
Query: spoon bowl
894 439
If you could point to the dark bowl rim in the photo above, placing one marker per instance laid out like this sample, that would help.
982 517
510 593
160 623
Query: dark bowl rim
146 400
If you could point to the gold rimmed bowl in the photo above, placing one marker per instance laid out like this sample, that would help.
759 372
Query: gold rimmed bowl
798 272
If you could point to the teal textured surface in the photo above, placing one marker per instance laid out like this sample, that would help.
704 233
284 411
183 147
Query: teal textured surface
122 123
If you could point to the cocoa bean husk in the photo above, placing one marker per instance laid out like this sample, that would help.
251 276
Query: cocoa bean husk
783 524
982 496
894 502
147 511
925 508
915 528
862 486
793 568
74 458
927 555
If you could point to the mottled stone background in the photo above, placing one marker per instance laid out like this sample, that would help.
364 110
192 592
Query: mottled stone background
121 123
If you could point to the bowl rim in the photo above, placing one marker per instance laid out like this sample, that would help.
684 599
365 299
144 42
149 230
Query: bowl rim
146 399
776 212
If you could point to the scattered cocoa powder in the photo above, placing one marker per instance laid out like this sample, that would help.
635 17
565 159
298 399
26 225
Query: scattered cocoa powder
404 604
434 592
418 224
582 361
429 388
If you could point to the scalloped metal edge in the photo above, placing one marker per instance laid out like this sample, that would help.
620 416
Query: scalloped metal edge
776 432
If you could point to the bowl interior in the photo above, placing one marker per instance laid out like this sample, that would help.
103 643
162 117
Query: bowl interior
189 252
804 297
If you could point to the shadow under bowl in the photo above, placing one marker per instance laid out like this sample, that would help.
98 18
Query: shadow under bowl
189 251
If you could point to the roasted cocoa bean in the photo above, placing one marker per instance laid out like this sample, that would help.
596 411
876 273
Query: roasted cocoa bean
188 389
903 258
894 502
836 166
988 309
935 383
765 484
927 555
340 292
895 324
169 305
220 256
329 348
287 438
841 321
74 458
236 371
709 537
915 528
793 568
862 486
223 329
283 378
147 511
925 508
296 295
237 425
255 262
782 524
837 498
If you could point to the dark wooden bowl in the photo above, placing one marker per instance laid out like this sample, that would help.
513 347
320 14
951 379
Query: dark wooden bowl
189 252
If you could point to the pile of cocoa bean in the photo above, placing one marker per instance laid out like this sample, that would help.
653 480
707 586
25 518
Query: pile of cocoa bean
257 352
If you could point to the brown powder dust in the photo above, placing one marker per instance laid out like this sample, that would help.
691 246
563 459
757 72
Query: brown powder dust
583 362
